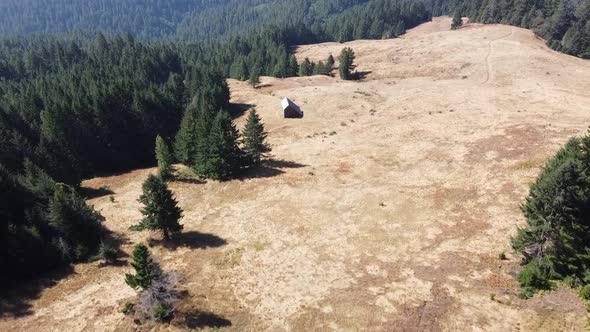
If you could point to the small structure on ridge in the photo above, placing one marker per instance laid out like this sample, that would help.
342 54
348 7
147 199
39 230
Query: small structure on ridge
291 110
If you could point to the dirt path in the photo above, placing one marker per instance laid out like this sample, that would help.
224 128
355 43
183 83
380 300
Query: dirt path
386 208
489 72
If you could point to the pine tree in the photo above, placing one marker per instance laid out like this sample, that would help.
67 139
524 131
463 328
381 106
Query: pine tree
457 21
223 157
293 66
305 68
200 144
165 159
254 141
346 60
77 225
184 146
330 63
160 210
145 269
254 77
555 242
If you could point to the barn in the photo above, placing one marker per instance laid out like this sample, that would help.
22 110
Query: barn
291 110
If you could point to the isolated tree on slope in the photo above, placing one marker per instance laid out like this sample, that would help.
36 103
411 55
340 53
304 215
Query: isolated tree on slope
145 269
457 21
165 158
346 60
330 63
157 289
160 210
255 145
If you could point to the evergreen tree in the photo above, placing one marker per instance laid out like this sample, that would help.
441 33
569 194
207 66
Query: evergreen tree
254 141
78 229
160 210
556 241
346 60
457 21
305 68
330 62
293 66
320 69
165 159
145 269
223 157
254 77
184 146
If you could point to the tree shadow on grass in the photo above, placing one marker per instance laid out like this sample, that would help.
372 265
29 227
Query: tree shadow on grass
91 193
202 320
269 168
190 181
237 110
360 75
192 240
116 240
17 296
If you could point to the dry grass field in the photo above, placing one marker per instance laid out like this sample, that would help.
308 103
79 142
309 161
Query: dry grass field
385 209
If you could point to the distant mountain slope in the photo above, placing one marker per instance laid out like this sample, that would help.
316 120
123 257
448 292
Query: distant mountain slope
143 18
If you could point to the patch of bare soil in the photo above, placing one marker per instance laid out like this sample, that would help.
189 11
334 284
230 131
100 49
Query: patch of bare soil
386 208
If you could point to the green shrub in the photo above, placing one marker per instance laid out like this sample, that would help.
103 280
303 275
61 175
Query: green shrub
585 292
162 313
128 308
532 278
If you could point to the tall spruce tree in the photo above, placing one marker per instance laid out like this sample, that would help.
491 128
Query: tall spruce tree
184 145
223 156
145 269
160 210
254 138
346 60
165 159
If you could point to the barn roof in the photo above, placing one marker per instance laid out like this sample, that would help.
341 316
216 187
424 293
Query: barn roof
286 102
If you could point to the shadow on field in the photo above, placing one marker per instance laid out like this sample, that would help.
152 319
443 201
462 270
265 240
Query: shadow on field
192 240
16 297
91 193
190 180
270 168
237 110
360 75
205 320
